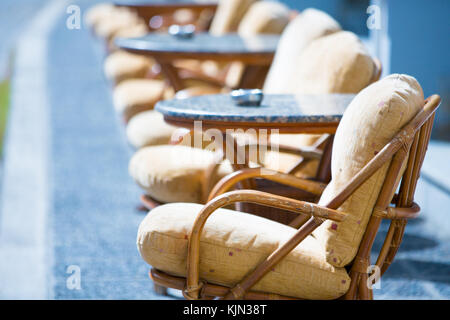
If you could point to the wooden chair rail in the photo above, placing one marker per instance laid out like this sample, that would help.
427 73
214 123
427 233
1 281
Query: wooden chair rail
209 290
230 180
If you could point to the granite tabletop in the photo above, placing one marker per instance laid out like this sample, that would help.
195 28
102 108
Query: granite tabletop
202 43
273 109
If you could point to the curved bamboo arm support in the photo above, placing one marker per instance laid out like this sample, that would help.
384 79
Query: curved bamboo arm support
226 183
318 213
398 212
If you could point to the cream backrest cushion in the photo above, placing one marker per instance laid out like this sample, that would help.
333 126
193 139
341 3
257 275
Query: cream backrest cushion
300 32
372 119
336 63
228 16
264 17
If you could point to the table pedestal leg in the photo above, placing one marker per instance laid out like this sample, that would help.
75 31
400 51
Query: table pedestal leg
253 77
324 169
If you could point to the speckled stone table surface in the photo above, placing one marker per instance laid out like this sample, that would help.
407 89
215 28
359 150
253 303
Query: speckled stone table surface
229 47
293 113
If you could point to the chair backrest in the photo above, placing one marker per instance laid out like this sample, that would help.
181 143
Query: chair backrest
412 142
309 25
268 17
336 63
370 122
228 15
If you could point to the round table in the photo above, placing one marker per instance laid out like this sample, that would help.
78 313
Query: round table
317 114
256 52
286 113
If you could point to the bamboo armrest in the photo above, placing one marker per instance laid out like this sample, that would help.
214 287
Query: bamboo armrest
227 182
318 214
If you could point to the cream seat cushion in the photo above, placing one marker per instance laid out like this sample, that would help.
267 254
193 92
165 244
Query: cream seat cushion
121 65
148 128
173 173
232 244
136 95
372 119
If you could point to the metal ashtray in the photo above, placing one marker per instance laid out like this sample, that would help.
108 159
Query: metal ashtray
182 32
247 97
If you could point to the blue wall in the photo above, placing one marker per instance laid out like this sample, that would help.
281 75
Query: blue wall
420 42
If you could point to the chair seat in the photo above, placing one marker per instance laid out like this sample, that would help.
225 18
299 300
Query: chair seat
121 65
170 173
136 95
148 128
232 244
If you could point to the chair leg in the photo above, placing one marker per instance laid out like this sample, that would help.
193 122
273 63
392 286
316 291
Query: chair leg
161 290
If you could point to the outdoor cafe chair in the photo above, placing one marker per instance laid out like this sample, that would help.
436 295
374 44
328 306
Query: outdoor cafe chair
325 253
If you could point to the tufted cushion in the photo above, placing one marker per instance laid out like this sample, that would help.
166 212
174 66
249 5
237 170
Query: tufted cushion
372 119
337 63
228 16
306 27
136 95
148 128
121 65
233 244
173 173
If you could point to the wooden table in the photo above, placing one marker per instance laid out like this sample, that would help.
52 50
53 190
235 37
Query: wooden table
255 52
285 113
150 8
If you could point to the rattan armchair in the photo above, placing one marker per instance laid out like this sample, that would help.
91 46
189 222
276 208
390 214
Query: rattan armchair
406 149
